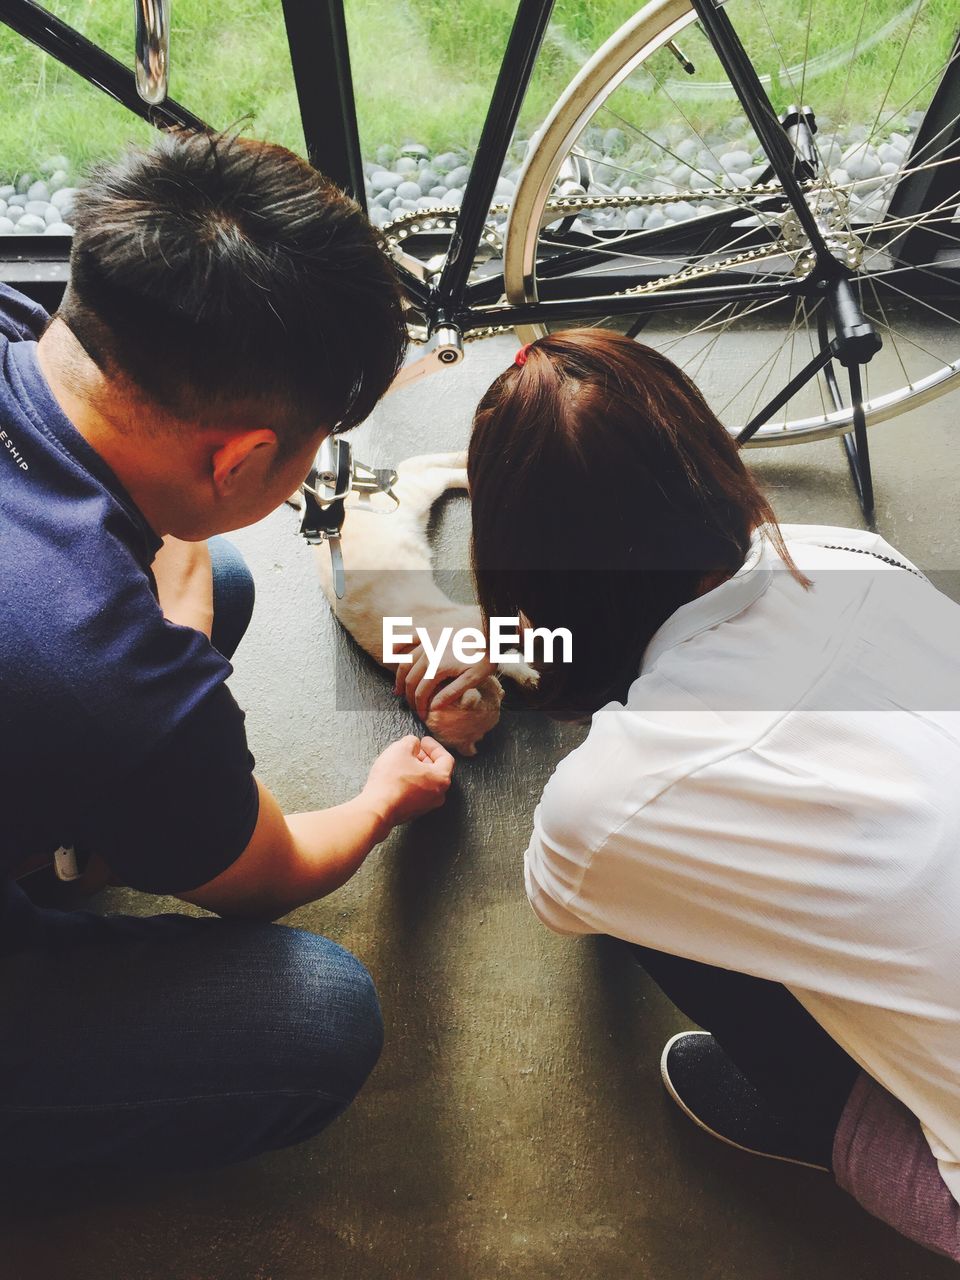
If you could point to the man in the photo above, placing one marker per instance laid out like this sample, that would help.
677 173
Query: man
227 309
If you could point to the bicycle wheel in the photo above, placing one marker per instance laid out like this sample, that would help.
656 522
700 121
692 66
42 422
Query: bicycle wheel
646 178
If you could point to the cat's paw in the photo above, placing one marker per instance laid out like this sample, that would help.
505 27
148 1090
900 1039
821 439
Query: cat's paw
462 725
519 672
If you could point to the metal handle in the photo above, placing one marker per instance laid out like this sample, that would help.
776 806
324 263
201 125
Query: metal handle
153 49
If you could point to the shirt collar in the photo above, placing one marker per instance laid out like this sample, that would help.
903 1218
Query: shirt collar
39 403
719 605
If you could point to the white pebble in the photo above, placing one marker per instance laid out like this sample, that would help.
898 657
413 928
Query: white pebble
379 181
7 227
38 191
448 160
861 161
890 154
63 198
39 207
680 211
736 161
31 225
687 149
59 229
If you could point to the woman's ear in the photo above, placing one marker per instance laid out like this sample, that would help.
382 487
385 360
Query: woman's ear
472 698
240 455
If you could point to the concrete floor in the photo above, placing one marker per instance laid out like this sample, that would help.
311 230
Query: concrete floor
516 1126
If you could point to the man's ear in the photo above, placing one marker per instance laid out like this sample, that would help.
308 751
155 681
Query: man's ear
230 460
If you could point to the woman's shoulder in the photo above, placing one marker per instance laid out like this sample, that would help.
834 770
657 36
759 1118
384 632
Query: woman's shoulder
839 538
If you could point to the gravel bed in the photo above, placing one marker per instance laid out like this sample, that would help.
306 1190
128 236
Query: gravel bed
671 164
38 203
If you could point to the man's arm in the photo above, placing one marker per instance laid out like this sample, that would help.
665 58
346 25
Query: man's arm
184 578
293 860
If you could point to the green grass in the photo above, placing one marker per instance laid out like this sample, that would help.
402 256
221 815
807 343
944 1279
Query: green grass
423 69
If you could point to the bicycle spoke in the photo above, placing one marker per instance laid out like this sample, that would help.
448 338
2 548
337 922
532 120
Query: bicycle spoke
807 317
637 259
894 333
883 320
711 181
911 297
725 325
850 64
806 53
770 360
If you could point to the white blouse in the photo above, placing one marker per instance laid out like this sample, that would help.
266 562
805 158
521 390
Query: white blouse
780 796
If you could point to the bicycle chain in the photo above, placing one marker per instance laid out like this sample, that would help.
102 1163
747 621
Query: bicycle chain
444 219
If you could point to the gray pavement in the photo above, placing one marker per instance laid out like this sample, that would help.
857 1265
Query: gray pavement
516 1126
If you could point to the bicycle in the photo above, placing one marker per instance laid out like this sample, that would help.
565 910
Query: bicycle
807 260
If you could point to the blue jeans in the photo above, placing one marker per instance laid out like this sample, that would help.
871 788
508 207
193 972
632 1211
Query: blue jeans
169 1042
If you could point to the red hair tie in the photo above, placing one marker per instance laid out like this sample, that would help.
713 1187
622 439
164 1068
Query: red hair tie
521 357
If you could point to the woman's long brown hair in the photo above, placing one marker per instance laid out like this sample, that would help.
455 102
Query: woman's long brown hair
604 493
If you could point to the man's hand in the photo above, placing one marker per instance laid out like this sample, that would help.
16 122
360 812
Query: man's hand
410 778
453 678
184 578
293 860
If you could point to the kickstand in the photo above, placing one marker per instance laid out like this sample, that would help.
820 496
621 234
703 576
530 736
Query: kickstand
854 442
858 451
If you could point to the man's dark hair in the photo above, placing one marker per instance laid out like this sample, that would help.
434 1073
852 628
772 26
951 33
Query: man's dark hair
214 270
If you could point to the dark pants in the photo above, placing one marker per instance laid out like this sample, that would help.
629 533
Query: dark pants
800 1071
170 1042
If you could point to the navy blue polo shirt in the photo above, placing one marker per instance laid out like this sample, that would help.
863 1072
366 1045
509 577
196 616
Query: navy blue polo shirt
117 731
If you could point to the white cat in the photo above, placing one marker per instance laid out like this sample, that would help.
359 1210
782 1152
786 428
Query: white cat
388 573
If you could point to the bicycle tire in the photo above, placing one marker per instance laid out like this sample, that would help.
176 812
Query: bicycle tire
630 48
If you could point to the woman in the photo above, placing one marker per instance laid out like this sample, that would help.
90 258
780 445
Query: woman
767 803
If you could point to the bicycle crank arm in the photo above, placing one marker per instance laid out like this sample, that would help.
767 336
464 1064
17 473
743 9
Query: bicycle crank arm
446 350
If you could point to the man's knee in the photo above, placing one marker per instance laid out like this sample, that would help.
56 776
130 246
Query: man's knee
332 1031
